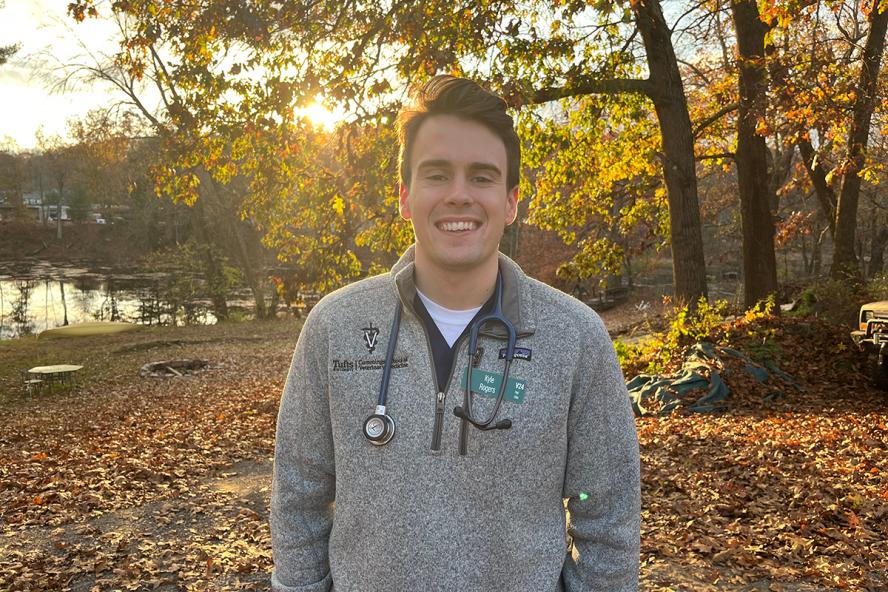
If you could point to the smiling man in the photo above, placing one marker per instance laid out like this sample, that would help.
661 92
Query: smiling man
436 418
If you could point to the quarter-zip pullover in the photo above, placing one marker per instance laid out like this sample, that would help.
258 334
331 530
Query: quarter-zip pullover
416 513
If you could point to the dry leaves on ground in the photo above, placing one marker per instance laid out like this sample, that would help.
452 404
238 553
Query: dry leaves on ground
122 483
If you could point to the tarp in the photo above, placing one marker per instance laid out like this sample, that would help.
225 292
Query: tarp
702 368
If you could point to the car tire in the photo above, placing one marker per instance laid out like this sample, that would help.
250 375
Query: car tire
879 372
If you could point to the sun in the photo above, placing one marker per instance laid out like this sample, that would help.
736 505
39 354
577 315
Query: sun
319 115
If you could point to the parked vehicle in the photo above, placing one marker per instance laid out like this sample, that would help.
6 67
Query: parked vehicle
871 338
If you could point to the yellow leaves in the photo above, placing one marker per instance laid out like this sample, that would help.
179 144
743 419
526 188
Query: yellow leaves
870 173
338 204
762 127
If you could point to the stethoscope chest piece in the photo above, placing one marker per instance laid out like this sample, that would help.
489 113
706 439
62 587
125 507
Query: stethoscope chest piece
379 428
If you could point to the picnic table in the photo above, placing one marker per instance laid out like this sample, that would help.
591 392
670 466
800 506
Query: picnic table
60 373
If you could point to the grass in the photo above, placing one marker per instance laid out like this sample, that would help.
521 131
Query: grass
111 358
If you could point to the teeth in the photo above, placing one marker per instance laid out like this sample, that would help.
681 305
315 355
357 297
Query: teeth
457 226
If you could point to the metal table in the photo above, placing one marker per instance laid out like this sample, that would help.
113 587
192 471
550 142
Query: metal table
60 373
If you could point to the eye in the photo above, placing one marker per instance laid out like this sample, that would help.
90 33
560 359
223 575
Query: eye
436 177
482 179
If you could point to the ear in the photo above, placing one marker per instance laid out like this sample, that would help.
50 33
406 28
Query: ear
403 205
512 205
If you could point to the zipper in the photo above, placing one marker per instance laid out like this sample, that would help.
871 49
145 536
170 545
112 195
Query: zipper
439 421
442 395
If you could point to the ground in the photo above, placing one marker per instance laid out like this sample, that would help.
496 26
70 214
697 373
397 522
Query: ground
163 484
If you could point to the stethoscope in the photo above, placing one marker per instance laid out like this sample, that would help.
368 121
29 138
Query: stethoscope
379 428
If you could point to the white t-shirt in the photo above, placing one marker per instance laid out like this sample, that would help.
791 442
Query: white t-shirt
451 323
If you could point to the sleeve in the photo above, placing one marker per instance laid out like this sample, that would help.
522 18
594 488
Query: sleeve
303 485
602 476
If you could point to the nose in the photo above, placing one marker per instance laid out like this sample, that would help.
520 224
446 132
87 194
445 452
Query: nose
460 193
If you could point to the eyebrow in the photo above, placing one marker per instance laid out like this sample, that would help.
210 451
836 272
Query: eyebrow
446 164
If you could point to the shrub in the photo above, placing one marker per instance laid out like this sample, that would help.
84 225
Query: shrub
838 301
715 322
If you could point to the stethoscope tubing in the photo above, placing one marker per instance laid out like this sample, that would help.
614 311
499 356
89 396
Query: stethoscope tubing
389 356
496 315
379 428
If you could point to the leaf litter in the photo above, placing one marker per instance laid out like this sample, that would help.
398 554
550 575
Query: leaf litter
133 484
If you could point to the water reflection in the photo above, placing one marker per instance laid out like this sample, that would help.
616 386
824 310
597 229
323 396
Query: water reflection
21 321
29 305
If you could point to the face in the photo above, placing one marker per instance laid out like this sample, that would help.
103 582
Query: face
458 200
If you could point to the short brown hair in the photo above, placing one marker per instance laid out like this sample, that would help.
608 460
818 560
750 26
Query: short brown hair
449 95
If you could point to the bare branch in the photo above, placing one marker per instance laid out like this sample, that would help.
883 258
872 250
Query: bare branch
714 117
591 87
728 155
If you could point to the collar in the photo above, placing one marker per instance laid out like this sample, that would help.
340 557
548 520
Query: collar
517 305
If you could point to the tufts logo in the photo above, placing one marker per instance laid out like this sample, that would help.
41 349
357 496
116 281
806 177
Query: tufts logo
371 335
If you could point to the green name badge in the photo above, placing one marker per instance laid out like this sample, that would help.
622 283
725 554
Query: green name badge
488 384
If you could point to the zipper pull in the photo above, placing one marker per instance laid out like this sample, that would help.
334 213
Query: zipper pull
439 421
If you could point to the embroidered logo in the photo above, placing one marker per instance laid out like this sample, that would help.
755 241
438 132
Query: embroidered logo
521 353
371 335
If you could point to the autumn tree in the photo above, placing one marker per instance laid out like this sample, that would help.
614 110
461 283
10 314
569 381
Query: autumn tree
363 55
59 158
12 180
829 57
202 135
756 193
6 51
844 260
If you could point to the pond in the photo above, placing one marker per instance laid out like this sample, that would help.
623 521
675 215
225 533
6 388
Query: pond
39 296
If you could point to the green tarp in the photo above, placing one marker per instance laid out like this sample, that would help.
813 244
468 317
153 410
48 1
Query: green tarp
701 359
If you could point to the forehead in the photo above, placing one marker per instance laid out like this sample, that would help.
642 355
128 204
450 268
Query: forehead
457 141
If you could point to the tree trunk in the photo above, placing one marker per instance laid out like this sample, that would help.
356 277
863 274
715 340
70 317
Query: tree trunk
666 90
253 271
212 269
251 266
806 263
756 194
844 262
826 197
61 185
64 302
779 171
817 256
877 247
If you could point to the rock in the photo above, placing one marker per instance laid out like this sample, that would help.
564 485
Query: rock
169 368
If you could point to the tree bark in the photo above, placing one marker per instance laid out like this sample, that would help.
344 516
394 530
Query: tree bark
844 262
666 90
212 268
251 266
877 247
826 197
756 194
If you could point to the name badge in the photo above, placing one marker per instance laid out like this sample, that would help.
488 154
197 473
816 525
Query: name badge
487 384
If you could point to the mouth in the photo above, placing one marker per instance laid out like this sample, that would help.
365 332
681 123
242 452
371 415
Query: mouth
457 226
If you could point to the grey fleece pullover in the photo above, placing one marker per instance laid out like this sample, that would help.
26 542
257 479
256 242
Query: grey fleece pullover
415 514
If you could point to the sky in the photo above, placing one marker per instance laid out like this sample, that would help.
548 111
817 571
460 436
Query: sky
48 38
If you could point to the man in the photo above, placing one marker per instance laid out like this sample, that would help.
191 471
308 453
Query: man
383 480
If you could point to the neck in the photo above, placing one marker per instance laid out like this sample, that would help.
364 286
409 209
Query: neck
457 290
